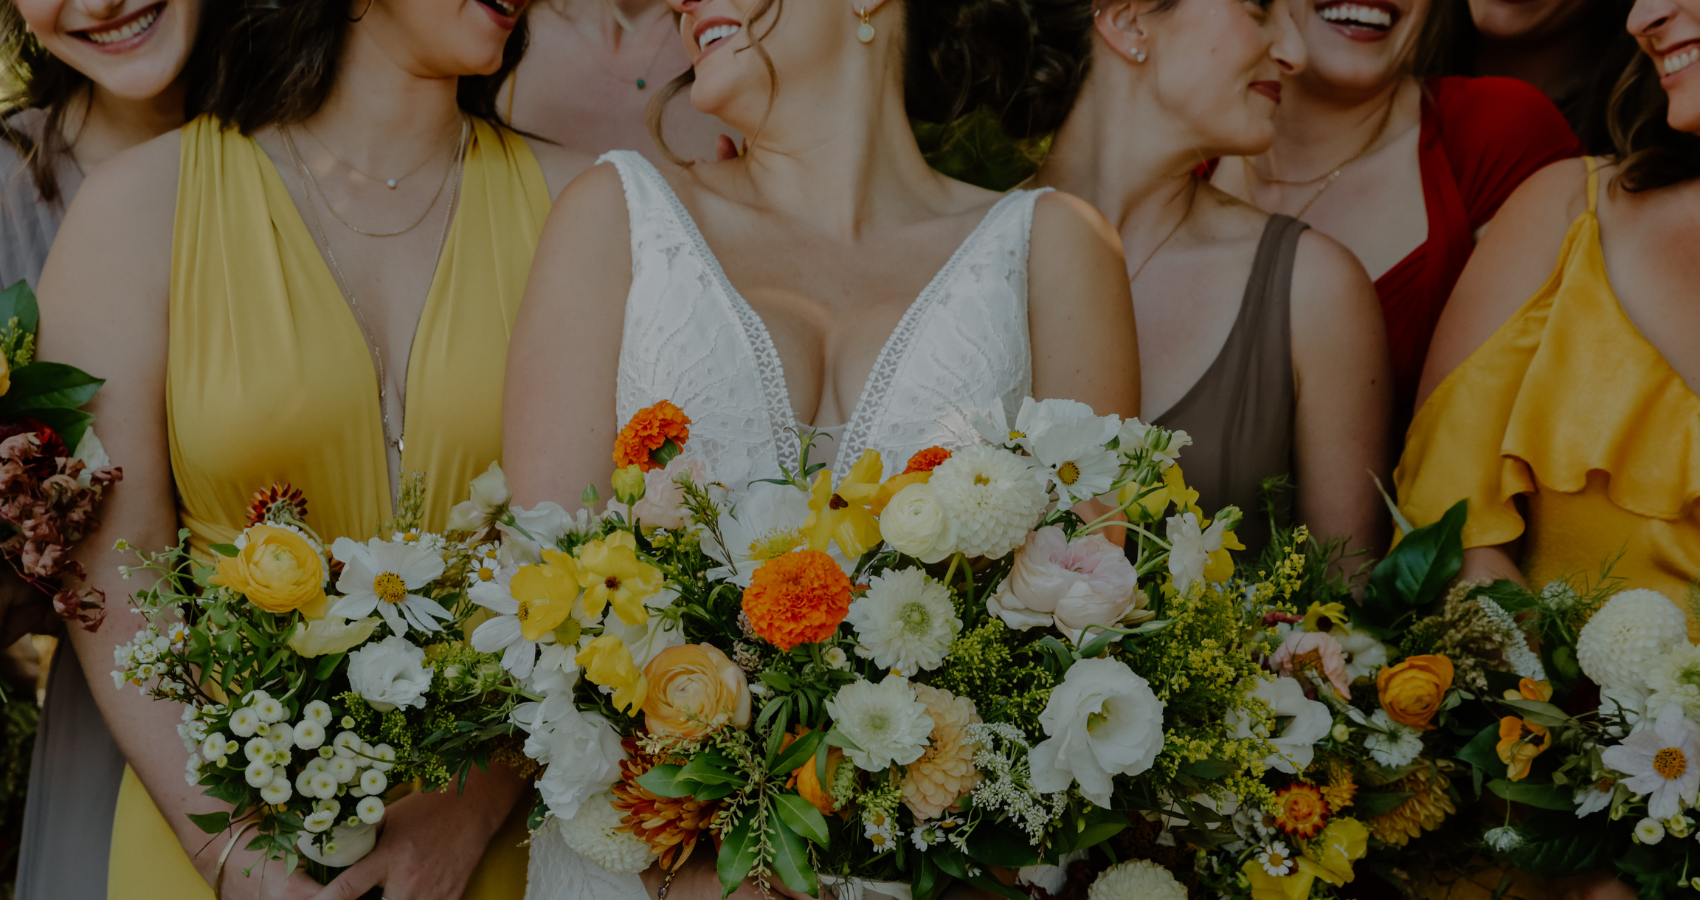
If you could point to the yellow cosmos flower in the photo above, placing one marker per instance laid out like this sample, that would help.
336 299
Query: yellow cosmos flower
546 593
1264 886
277 570
1330 856
846 516
614 574
1325 616
608 662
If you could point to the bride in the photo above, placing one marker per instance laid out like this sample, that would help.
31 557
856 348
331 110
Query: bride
827 279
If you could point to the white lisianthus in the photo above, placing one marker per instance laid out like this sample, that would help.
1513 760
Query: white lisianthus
596 835
1074 455
1102 721
1190 547
383 576
1071 584
905 622
1626 635
490 498
345 845
277 791
993 496
885 720
389 674
370 810
1136 879
916 524
581 750
1307 722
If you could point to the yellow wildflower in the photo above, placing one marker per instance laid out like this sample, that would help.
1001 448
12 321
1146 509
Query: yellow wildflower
608 662
845 516
614 574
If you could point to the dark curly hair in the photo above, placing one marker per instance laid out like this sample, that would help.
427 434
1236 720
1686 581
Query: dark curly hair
280 59
1651 154
43 81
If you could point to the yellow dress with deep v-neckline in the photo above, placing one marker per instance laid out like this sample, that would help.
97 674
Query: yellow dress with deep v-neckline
269 379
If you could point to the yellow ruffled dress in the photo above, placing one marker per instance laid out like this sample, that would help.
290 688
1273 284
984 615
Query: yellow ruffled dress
1570 412
269 379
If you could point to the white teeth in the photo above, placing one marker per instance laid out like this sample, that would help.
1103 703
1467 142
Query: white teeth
124 32
1676 62
1358 15
506 9
715 33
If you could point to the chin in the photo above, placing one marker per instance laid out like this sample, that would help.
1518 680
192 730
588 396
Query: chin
1684 114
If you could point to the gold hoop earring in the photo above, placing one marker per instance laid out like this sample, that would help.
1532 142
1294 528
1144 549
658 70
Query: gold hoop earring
865 32
362 12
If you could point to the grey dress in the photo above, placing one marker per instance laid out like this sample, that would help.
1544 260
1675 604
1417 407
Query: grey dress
75 767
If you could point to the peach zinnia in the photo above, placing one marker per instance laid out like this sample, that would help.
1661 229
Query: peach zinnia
797 598
648 432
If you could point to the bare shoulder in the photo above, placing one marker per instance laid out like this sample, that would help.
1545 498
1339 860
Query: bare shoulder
593 202
1327 276
1067 228
560 164
136 186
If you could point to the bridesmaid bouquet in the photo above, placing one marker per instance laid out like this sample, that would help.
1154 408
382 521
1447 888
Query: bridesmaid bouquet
890 679
320 683
53 469
1600 764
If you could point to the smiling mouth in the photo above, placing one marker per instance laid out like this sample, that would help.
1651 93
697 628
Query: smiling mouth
122 29
714 34
505 8
1682 59
1358 15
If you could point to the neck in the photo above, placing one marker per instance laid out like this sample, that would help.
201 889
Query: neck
1548 62
380 117
107 124
1316 131
614 19
1126 157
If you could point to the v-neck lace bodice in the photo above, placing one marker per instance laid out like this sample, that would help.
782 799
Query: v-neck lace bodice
691 338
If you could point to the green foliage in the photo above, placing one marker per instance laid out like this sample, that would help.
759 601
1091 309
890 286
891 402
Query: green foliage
975 150
1007 681
1413 575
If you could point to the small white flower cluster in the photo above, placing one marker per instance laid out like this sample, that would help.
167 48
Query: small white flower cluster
1525 662
145 659
1002 758
949 828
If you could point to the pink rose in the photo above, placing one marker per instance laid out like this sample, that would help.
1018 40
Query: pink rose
662 496
1314 652
1073 584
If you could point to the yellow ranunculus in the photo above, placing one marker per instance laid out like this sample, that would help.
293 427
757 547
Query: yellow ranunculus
845 516
1264 886
608 662
694 690
612 573
546 593
1412 691
331 634
1331 854
277 570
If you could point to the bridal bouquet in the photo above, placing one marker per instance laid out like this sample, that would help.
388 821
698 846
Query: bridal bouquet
904 675
319 682
53 469
1603 758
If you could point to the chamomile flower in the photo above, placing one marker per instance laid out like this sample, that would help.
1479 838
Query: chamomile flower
320 822
270 710
373 781
258 774
277 791
308 734
318 712
244 721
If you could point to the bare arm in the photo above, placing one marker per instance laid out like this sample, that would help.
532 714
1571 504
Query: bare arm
559 164
558 411
1079 309
1345 396
104 297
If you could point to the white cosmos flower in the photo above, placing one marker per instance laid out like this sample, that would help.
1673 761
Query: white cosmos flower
1662 762
382 575
1307 722
1190 548
885 720
543 526
1036 418
1102 721
905 622
1080 466
1590 799
501 632
764 521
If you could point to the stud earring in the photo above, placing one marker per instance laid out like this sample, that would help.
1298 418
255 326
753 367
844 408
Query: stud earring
865 33
1138 55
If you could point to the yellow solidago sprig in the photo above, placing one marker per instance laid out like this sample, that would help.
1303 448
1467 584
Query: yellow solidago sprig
846 516
613 574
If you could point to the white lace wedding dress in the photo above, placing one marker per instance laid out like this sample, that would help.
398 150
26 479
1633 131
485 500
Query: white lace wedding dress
690 338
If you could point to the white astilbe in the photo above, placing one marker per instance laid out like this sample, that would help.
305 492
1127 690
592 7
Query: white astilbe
1003 760
1516 646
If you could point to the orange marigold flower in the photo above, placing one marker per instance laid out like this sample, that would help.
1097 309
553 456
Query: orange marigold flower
1300 810
797 598
648 432
926 460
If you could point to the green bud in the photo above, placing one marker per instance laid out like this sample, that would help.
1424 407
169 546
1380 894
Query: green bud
628 485
589 498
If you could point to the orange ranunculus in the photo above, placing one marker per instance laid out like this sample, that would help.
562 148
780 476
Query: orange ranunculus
1412 691
648 432
276 570
1520 741
1300 811
694 690
797 598
926 460
807 781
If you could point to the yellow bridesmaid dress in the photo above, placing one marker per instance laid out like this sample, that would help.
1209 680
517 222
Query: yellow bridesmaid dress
269 379
1569 411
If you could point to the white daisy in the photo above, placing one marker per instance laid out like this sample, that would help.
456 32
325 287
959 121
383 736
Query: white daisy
382 576
1662 762
765 521
1591 798
885 720
905 622
1276 859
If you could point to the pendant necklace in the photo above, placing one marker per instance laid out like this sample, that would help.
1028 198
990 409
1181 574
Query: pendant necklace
642 80
1334 173
387 182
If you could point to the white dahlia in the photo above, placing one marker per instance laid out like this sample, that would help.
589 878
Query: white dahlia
1626 635
905 622
885 720
992 495
595 834
1675 678
1136 879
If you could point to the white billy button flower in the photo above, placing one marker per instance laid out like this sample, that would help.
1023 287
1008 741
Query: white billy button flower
318 712
244 721
373 781
258 774
370 810
308 734
383 576
277 791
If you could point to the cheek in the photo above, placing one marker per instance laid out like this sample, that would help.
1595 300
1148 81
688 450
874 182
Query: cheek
42 15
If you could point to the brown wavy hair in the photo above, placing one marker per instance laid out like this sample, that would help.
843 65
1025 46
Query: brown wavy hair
280 59
36 79
1651 154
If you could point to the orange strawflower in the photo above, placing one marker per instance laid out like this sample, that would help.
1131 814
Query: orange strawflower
926 460
669 826
1300 810
648 432
797 598
283 497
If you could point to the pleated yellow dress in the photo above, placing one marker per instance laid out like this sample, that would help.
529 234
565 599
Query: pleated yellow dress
1569 410
269 379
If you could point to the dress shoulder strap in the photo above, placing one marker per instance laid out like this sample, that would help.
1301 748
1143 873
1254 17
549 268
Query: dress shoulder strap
1593 163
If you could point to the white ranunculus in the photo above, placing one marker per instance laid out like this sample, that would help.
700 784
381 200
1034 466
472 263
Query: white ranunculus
581 751
1190 547
490 498
915 524
1103 721
346 845
389 674
1309 722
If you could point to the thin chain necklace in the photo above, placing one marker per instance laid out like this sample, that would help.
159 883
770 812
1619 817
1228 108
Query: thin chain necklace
390 438
388 182
1331 174
447 173
642 81
1160 244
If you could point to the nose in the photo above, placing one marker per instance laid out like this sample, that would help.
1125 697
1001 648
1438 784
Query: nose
1288 50
1649 16
684 6
100 10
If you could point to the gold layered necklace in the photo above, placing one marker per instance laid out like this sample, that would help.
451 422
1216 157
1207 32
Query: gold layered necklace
1333 173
